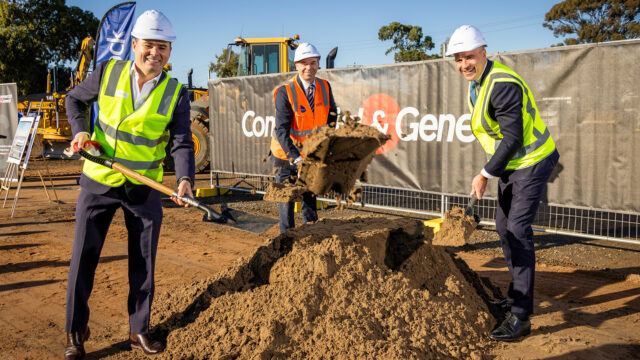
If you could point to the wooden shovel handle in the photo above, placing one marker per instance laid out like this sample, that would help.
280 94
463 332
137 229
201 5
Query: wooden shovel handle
143 179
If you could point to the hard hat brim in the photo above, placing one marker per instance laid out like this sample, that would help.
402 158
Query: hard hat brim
461 49
307 57
151 37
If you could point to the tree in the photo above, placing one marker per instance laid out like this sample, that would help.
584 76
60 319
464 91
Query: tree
40 34
407 41
594 20
224 68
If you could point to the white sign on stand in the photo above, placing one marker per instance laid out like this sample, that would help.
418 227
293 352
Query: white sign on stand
19 156
8 120
21 139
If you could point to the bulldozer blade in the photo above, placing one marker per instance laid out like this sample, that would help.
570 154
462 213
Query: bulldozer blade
245 221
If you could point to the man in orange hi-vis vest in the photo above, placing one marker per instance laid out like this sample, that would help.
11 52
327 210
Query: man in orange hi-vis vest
303 107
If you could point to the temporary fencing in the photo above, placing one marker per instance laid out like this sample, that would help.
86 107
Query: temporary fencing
586 95
555 219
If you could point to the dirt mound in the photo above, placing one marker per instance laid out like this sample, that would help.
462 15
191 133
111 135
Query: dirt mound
350 288
456 228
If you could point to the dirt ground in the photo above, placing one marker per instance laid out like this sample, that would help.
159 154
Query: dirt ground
587 292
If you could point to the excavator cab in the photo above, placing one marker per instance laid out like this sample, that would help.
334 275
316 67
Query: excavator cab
257 56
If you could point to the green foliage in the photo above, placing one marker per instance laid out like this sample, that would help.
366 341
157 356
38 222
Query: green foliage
407 41
38 34
594 20
224 68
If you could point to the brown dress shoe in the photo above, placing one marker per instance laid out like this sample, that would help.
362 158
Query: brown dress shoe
75 344
145 343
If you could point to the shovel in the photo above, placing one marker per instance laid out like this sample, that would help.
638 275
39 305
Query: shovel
469 209
255 223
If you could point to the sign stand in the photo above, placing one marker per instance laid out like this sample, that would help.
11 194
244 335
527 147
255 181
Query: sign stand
9 176
44 186
19 154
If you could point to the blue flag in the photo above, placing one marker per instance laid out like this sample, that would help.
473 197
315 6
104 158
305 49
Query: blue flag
114 34
113 39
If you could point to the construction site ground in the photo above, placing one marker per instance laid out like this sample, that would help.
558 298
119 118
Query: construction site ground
587 302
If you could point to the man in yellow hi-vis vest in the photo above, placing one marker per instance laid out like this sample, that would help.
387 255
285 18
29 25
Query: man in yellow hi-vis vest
303 107
520 152
141 109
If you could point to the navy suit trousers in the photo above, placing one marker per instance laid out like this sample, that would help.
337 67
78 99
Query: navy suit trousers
284 170
519 194
94 213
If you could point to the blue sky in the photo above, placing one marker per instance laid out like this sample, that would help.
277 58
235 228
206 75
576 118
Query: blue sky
204 28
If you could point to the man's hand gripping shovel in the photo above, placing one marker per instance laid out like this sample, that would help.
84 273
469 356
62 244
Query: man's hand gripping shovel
91 151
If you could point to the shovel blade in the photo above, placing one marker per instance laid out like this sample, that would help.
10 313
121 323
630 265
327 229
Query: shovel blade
248 222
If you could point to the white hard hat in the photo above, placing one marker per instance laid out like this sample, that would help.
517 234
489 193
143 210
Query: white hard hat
153 25
304 51
465 38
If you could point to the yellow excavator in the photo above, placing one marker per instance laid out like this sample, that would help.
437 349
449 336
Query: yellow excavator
54 131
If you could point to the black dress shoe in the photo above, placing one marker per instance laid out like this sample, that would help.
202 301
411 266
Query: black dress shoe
145 343
511 329
75 344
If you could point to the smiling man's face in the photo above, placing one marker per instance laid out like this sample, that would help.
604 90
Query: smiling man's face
151 55
471 63
307 68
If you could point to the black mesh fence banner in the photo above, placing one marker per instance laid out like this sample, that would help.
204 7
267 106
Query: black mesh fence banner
588 96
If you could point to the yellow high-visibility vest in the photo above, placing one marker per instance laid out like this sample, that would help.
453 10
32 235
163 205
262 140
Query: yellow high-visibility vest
537 142
134 138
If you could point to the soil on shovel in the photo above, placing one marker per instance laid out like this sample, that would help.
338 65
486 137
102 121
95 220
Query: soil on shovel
456 228
356 288
334 159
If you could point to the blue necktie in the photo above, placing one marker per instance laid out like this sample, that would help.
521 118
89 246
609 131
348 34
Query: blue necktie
310 95
473 92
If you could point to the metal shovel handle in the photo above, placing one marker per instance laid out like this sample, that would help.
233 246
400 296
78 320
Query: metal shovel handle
469 209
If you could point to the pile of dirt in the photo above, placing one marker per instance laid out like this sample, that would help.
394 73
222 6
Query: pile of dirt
354 288
456 228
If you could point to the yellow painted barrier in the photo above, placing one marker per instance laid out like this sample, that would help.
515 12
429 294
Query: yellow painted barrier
320 205
434 223
204 192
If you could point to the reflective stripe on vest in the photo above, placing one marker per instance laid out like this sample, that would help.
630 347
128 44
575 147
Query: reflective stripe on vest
537 141
135 138
304 123
130 138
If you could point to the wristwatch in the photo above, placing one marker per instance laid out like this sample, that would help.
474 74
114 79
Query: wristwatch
186 178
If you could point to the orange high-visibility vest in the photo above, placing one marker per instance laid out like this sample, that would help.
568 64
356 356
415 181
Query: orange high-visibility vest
306 122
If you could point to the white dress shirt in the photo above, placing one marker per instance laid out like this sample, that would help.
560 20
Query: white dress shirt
305 85
140 95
